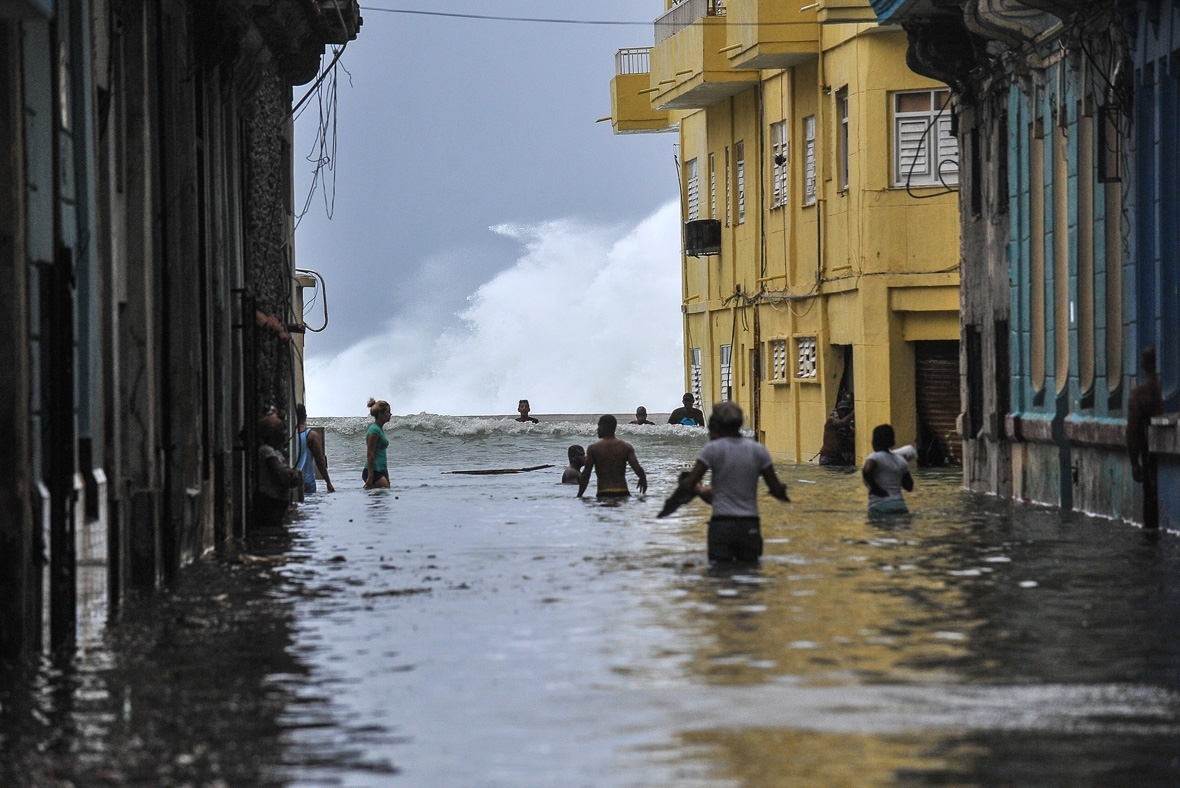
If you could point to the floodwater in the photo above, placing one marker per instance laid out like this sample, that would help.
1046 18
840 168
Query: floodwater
467 630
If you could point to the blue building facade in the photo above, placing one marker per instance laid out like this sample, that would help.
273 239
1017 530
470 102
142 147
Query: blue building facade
1067 120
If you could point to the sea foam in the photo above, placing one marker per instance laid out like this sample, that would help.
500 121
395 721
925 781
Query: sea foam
586 321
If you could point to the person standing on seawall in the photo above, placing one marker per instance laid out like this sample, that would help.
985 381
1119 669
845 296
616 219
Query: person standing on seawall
687 414
735 532
1146 400
310 453
522 408
376 472
886 474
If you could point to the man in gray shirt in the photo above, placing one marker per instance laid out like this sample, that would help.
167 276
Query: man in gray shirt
736 463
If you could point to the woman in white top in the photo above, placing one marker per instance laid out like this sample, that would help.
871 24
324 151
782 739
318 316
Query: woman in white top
886 474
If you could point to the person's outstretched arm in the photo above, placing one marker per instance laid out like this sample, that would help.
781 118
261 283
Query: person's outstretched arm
692 482
317 451
633 461
777 488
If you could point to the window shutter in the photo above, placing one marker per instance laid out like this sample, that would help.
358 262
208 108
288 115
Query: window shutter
741 190
912 159
694 199
948 151
809 160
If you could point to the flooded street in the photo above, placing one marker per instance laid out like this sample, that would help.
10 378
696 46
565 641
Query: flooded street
461 630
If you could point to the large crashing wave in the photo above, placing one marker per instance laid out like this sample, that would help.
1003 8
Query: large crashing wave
586 321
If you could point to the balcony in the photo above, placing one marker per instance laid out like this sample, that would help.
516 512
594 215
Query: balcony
771 33
630 95
835 12
689 67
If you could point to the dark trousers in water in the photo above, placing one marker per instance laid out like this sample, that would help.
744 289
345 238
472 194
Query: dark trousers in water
735 539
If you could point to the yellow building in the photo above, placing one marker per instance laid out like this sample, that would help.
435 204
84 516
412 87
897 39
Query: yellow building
818 178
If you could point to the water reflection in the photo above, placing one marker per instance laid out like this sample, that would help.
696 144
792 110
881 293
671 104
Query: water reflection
202 685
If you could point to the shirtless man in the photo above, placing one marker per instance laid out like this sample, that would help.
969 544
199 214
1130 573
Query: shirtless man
610 457
573 472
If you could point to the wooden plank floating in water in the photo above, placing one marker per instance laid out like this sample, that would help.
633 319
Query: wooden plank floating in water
491 471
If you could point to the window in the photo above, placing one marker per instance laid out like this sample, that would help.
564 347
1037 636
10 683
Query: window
695 374
726 372
842 138
1087 362
925 153
728 199
712 186
739 153
809 160
1036 254
694 198
807 369
778 152
778 359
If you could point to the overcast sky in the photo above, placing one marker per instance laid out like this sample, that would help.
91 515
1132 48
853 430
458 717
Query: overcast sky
449 126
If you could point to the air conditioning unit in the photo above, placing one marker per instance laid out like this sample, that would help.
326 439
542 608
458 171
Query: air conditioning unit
702 238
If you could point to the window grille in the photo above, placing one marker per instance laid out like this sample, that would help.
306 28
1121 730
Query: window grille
778 356
842 109
726 373
728 199
778 147
925 152
740 155
712 186
694 199
808 368
695 374
809 160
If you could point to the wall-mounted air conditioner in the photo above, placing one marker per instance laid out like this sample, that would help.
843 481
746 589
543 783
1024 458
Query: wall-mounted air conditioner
702 238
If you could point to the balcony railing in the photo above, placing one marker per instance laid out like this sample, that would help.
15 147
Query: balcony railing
633 60
684 14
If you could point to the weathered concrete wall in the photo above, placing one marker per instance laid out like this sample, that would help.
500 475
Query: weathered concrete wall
18 557
269 265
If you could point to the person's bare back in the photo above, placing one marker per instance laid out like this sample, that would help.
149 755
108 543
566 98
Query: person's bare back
609 457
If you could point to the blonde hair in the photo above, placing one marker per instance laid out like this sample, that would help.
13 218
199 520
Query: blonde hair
376 406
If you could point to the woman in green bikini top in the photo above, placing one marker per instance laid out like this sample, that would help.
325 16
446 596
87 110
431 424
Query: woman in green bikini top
376 472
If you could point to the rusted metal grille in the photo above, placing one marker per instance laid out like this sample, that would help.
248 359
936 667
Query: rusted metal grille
937 399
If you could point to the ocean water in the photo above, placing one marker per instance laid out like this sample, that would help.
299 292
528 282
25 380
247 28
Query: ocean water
495 631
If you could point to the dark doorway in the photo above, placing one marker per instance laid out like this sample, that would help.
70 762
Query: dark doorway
936 394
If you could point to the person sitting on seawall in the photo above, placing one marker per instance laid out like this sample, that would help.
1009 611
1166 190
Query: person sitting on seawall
736 463
522 408
310 454
376 472
839 448
573 473
610 457
886 474
641 416
275 477
687 414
